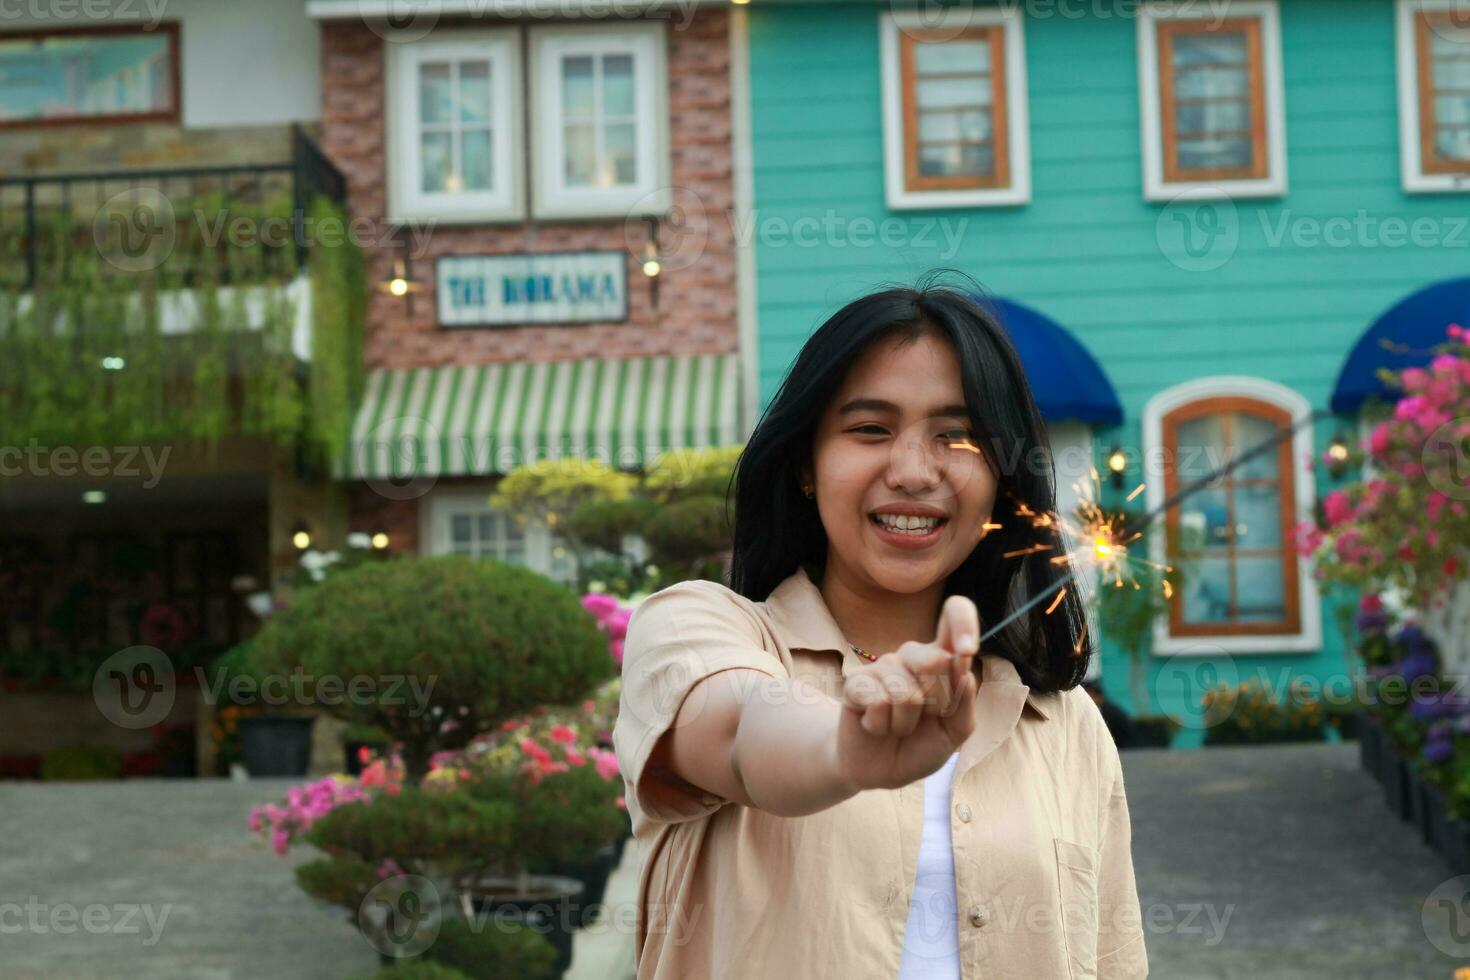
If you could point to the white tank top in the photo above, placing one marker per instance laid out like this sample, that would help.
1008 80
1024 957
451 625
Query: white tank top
931 940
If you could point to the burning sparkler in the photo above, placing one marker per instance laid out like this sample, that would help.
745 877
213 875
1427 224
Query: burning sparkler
1093 539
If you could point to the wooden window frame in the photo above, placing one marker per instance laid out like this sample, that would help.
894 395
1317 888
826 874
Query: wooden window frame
1279 416
994 35
1006 26
1251 26
173 114
1157 24
1430 162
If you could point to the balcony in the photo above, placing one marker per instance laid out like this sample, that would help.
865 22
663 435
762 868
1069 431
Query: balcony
197 302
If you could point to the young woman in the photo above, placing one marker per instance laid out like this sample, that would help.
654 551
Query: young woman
826 778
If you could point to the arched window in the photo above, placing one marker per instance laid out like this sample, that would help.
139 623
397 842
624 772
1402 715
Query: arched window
1245 589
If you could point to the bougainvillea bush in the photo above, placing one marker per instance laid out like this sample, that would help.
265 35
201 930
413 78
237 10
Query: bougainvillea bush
1405 526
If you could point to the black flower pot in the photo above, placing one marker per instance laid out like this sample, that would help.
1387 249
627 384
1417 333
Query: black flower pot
1419 804
1370 746
276 745
1454 839
1397 785
1436 815
549 907
593 873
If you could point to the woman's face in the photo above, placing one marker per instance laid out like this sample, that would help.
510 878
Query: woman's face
901 484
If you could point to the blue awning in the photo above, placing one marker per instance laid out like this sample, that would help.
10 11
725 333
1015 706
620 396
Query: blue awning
1066 379
1401 338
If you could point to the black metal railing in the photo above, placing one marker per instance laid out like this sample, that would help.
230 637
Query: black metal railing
249 220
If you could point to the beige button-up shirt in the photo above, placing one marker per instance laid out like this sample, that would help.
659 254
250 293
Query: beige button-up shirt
1043 870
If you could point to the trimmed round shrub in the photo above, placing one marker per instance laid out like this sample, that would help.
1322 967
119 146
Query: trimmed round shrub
448 646
487 950
445 829
688 532
604 523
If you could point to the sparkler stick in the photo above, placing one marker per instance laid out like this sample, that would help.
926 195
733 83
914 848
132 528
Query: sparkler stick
1105 546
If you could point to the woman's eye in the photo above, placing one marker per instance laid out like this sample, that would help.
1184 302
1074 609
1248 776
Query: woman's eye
959 435
870 427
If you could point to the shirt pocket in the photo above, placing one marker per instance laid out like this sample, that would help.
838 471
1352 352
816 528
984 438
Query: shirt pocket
1077 880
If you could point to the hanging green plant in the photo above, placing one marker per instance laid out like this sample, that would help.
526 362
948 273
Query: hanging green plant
198 348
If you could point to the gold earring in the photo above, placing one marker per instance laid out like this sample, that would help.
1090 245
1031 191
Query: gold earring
807 490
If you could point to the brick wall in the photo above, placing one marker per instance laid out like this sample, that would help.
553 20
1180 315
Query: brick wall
696 305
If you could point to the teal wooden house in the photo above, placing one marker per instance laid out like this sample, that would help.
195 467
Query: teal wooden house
1196 220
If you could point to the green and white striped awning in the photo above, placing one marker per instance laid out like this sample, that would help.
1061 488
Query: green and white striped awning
477 420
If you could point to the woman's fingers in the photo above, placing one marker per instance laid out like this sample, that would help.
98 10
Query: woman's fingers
959 625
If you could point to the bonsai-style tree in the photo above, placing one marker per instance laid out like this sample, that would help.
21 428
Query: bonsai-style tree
433 651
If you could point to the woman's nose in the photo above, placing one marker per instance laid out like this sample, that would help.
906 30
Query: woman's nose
912 464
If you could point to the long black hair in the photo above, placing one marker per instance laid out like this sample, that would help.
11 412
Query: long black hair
777 528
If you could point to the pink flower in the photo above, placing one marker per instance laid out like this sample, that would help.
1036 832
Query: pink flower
1370 603
622 804
617 652
576 758
1445 364
535 751
1414 379
1434 504
512 725
563 734
1337 507
600 604
280 840
1456 332
1378 441
607 764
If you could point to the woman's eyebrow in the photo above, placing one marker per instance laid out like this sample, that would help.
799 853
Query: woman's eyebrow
879 405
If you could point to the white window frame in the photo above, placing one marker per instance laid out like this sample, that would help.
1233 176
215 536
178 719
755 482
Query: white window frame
443 502
1018 127
1411 161
650 194
1309 638
1071 445
505 200
1155 187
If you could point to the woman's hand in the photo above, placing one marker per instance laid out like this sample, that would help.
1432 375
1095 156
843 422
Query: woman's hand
906 713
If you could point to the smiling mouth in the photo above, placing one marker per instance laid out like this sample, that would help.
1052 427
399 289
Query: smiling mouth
916 527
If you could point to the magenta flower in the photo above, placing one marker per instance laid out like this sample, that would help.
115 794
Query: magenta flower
563 734
1337 507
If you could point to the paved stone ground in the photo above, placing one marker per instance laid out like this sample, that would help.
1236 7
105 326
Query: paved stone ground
1324 882
1292 843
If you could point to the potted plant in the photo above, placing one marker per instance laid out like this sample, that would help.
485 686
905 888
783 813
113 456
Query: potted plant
1248 714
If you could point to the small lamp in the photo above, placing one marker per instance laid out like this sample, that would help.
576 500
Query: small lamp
380 538
652 263
1117 464
1337 454
300 536
400 281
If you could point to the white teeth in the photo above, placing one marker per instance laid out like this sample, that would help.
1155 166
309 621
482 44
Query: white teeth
908 523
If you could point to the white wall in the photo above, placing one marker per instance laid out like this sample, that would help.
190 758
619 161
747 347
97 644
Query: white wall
244 62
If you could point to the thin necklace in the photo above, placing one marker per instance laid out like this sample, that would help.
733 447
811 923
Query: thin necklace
862 653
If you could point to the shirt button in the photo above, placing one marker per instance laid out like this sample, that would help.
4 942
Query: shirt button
964 811
978 916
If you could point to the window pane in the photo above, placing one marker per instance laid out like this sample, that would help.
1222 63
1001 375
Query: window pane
1453 144
515 556
474 92
1452 109
1258 517
581 154
944 93
576 86
64 77
1212 83
1259 595
459 528
1199 447
1204 521
1205 118
1209 48
487 527
1213 154
622 163
475 158
514 532
964 125
1251 431
955 159
617 85
952 56
434 161
434 92
1453 71
1207 592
